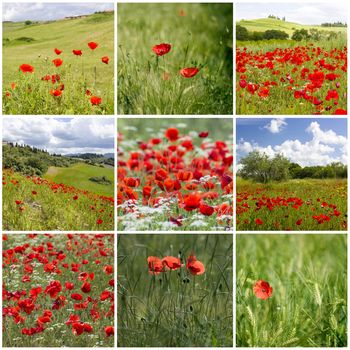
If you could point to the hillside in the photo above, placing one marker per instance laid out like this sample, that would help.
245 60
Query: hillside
263 24
34 44
79 175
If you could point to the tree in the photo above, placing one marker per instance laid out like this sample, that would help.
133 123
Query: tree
275 34
242 33
260 167
300 34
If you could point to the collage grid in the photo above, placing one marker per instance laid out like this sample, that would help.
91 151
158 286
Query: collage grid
224 283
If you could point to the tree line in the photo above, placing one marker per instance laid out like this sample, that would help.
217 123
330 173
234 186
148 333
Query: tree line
259 167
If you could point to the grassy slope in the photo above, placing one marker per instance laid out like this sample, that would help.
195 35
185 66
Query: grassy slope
309 279
78 176
66 35
262 24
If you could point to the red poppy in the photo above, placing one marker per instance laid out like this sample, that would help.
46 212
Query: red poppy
78 328
53 288
155 265
99 221
77 52
206 209
105 59
194 266
259 221
57 51
189 72
86 287
161 49
92 45
57 62
262 290
69 285
95 100
172 134
203 134
26 68
76 296
171 262
340 111
108 269
109 331
192 201
56 92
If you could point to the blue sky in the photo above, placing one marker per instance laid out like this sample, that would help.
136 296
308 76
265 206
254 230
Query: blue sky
298 12
38 11
306 141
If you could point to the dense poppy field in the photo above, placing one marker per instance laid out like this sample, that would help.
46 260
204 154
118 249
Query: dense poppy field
58 290
174 178
292 291
33 203
297 205
68 78
175 290
293 80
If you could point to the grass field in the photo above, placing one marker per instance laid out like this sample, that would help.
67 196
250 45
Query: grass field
300 205
31 263
34 44
78 176
200 36
308 306
175 308
181 183
32 203
290 77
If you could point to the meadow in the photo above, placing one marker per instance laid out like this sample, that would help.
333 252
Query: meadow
62 82
35 203
58 290
178 306
200 38
175 174
297 205
285 77
308 304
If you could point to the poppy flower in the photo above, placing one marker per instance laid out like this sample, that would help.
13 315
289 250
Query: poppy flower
57 51
206 209
76 296
92 45
69 285
189 72
53 288
86 287
203 134
161 49
192 201
78 328
109 330
155 265
57 62
77 52
26 68
56 92
171 262
105 59
172 134
259 221
99 221
108 269
262 290
194 266
95 100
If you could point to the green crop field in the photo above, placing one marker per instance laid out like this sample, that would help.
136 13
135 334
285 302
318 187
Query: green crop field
175 308
34 44
200 36
308 305
78 175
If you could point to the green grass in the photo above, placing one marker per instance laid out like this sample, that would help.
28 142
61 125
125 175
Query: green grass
78 175
308 307
77 73
263 24
57 333
44 205
203 36
312 192
175 309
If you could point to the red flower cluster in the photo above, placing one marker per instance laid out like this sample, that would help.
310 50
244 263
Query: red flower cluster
157 265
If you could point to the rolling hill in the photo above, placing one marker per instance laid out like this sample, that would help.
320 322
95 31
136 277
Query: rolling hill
263 24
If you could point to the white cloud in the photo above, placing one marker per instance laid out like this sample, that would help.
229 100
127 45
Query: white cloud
78 135
276 125
39 11
324 148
